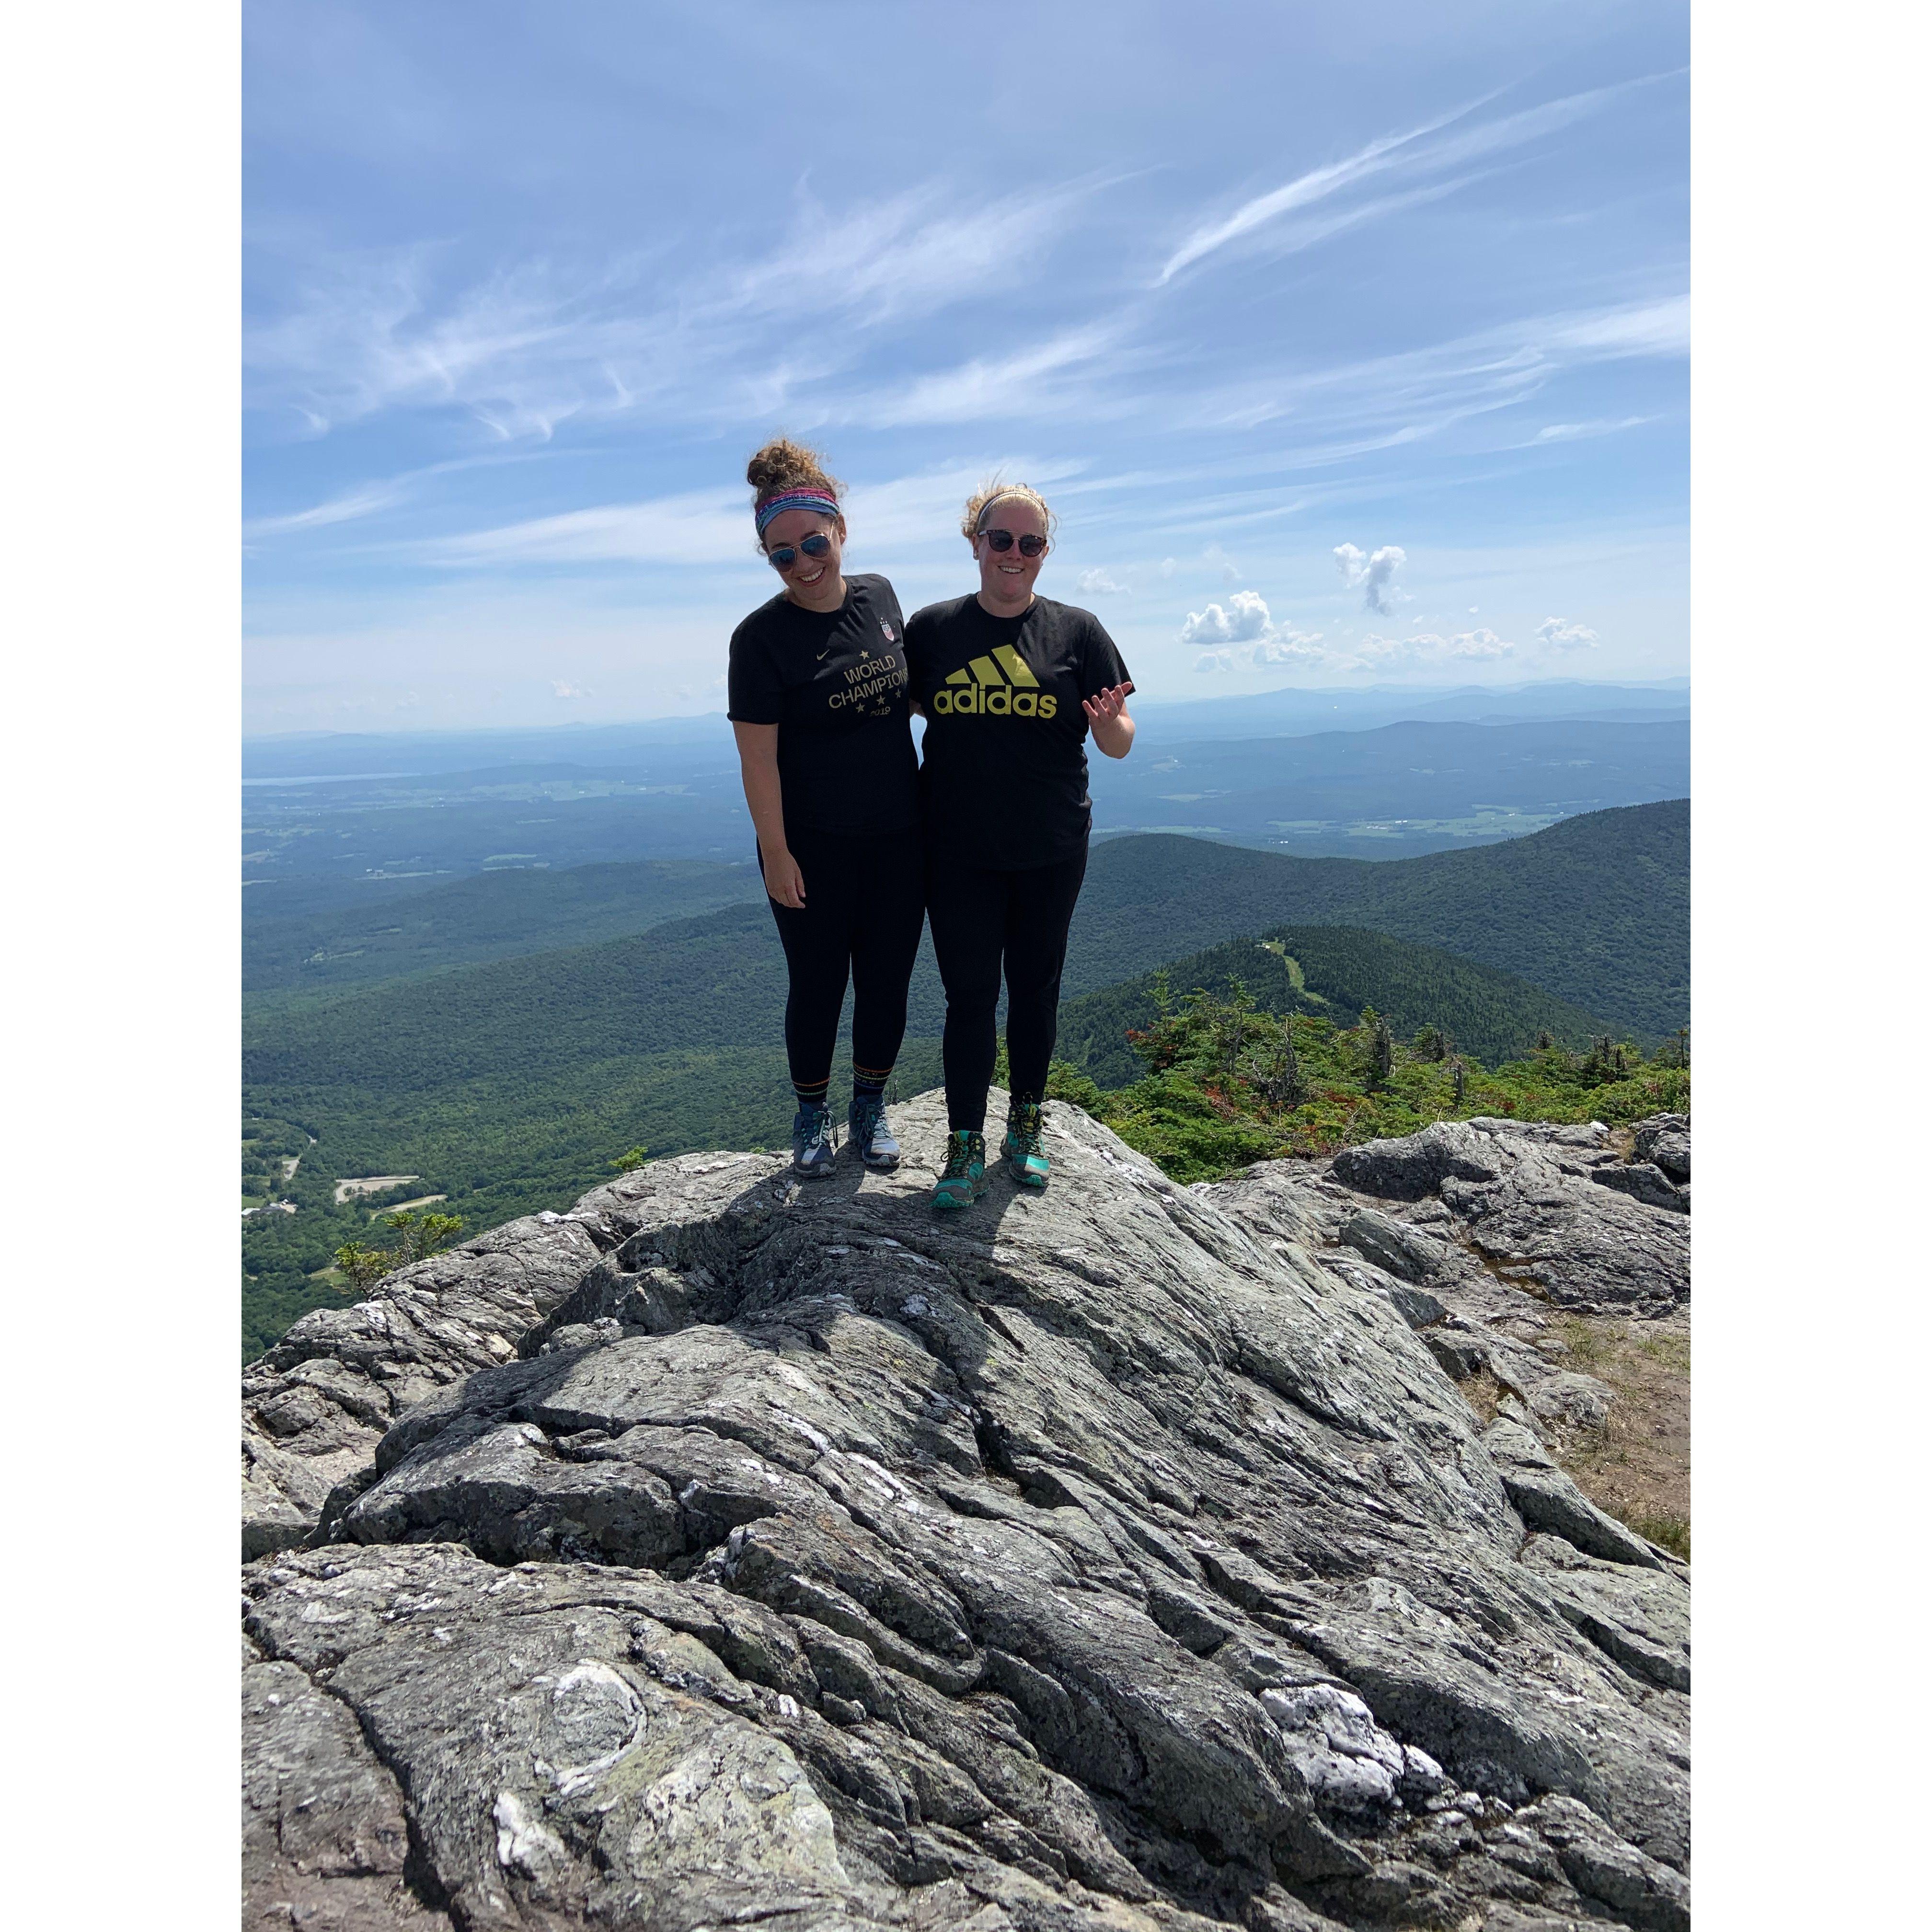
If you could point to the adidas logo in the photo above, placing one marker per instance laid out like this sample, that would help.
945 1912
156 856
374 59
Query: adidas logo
997 685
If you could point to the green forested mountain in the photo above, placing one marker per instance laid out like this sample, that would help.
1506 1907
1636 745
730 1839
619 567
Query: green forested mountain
511 1085
494 915
1333 973
1595 909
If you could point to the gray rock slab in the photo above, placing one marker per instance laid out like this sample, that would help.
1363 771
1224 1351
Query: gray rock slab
1404 1251
1546 1498
325 1841
314 1407
1665 1140
1644 1181
1533 1203
1101 1558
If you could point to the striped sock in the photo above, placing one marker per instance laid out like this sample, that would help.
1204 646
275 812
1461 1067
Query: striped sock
868 1083
812 1092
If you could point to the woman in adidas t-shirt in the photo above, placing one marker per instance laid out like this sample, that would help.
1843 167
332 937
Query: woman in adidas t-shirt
818 701
1010 685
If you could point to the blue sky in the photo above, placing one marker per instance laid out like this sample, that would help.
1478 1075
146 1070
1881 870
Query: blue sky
1349 344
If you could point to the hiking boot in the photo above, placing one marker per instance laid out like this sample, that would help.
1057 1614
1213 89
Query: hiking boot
1021 1146
811 1153
866 1130
963 1180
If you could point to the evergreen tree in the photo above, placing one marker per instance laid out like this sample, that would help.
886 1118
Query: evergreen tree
1381 1049
1282 1086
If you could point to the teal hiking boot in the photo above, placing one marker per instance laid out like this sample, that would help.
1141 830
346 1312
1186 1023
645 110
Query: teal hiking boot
811 1153
963 1179
1021 1146
866 1130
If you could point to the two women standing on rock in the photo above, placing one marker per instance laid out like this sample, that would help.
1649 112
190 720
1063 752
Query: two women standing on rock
990 842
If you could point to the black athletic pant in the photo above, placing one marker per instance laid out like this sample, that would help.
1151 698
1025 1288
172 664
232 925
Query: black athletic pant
978 918
864 902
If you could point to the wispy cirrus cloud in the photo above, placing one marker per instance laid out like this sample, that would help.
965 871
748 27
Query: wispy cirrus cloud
1009 385
525 347
364 501
520 348
709 527
1350 409
905 257
1577 431
1414 154
1305 189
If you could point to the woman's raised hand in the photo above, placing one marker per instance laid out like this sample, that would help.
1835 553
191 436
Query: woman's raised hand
784 881
1107 713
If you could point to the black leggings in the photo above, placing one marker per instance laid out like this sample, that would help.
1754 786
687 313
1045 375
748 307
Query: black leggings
977 916
864 902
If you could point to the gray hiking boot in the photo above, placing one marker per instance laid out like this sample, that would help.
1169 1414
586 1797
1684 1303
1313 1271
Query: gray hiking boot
811 1152
866 1130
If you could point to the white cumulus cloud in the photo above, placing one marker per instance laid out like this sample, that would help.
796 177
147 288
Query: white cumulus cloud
1245 619
1243 632
1558 633
1098 583
1372 573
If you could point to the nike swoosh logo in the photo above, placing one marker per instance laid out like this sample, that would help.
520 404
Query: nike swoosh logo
824 654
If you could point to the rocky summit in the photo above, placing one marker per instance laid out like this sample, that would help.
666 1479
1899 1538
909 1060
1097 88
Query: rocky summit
729 1551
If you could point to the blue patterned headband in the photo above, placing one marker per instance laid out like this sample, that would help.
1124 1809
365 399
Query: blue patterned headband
795 499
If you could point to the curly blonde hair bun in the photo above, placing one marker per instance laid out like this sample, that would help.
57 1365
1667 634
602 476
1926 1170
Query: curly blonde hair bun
983 499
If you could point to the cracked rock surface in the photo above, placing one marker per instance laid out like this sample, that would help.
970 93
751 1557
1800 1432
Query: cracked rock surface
1120 1557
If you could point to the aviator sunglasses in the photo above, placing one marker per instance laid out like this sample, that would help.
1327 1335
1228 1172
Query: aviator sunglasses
1003 541
786 555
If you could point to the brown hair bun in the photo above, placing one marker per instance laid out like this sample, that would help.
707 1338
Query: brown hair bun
782 465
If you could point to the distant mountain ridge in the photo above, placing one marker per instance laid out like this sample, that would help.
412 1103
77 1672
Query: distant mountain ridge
1595 909
314 754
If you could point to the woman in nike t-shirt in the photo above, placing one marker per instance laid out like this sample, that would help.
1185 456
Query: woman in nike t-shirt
818 701
1010 685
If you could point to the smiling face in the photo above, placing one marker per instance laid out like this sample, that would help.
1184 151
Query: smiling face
1006 576
817 583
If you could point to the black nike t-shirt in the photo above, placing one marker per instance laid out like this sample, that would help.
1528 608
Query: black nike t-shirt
1005 758
835 683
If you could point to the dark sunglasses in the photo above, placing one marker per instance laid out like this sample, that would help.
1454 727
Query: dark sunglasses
1003 541
785 556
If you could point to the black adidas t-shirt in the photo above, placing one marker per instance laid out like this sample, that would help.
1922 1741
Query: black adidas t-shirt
1005 761
835 683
